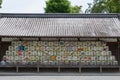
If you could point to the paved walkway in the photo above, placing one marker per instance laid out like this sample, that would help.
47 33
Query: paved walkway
60 78
58 74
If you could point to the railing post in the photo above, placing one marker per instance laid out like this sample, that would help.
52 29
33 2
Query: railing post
59 69
80 66
100 69
38 70
59 66
79 69
118 53
17 68
0 48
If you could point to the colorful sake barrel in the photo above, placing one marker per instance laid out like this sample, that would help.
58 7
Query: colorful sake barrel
111 62
91 62
74 58
35 53
13 43
32 58
67 62
112 58
7 53
8 62
37 58
102 62
39 53
58 58
13 48
53 58
45 62
10 48
108 62
109 53
13 53
24 63
69 58
82 62
87 62
37 48
61 43
115 62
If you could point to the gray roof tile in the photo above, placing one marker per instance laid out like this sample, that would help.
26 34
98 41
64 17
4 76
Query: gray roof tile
51 27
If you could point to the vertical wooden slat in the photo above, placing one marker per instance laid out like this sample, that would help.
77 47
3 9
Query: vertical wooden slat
0 47
118 51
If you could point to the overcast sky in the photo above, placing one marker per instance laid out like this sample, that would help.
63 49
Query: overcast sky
33 6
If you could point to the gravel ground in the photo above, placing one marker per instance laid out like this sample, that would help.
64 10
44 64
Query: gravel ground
60 77
59 74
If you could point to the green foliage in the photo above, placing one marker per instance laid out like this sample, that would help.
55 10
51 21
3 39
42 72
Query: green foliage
60 6
112 6
76 9
0 3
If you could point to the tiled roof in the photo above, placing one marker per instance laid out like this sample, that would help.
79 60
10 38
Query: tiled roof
60 25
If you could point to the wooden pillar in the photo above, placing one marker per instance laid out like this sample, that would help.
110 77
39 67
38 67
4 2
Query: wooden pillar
0 48
59 68
39 39
98 39
100 69
20 39
17 68
58 39
78 39
0 43
118 51
80 69
119 16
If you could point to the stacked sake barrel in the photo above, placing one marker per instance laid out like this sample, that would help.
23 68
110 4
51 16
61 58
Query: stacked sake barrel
59 53
96 53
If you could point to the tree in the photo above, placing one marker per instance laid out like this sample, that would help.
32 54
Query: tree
113 6
58 6
76 9
101 6
0 3
61 6
88 10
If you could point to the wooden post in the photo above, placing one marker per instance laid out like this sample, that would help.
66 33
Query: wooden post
20 39
38 70
0 43
119 16
39 39
100 69
78 39
17 69
118 52
59 68
119 68
98 39
0 47
58 39
79 69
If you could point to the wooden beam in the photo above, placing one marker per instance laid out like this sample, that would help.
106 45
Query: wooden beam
0 42
118 40
98 39
78 39
20 39
59 39
39 39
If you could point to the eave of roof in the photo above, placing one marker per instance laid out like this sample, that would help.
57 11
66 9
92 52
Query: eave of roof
59 15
